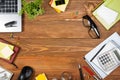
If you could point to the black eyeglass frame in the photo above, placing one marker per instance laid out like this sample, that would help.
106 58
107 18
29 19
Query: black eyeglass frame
92 26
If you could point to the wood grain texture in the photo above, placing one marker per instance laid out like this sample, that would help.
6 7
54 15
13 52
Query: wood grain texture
52 45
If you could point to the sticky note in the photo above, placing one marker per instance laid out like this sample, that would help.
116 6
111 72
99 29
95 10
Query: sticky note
2 45
7 52
41 77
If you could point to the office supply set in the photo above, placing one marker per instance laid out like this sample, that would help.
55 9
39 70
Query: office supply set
107 13
64 76
27 72
105 57
94 34
11 12
91 73
68 76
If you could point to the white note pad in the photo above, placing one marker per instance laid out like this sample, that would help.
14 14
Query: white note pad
107 14
6 52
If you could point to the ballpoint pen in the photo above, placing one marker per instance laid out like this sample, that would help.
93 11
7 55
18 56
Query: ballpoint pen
81 73
91 73
98 52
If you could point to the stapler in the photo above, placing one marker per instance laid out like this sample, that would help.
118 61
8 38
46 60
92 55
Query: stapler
11 24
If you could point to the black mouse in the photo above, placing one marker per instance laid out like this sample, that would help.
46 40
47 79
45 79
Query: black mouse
26 73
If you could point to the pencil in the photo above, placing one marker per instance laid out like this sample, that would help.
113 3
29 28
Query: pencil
81 73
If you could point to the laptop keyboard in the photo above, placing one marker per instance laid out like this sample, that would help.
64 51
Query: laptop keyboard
8 6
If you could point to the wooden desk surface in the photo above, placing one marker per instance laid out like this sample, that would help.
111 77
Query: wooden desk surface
52 45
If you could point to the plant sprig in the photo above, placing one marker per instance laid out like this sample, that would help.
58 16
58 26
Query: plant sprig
32 9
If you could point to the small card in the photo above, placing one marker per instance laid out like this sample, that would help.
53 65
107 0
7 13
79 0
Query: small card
41 77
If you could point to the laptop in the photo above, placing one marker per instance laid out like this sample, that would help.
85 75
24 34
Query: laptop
10 20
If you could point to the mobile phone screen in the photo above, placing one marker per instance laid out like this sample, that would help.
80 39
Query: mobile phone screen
59 2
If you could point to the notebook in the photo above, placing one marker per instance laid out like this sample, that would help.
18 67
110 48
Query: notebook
5 74
8 51
10 20
115 37
108 13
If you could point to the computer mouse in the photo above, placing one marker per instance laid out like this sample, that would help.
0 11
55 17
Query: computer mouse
25 73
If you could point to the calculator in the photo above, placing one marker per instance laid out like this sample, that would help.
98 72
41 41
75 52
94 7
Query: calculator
109 60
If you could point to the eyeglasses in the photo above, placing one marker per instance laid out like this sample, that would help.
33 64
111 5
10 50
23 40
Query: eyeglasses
93 30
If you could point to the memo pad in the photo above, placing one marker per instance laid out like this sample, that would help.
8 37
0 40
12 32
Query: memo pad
8 51
108 13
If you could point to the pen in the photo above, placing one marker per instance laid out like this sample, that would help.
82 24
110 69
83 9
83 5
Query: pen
98 52
73 19
91 73
81 73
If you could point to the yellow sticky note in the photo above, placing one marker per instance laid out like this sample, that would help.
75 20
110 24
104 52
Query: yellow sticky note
41 77
2 45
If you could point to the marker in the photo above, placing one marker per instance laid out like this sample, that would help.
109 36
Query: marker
91 73
81 73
